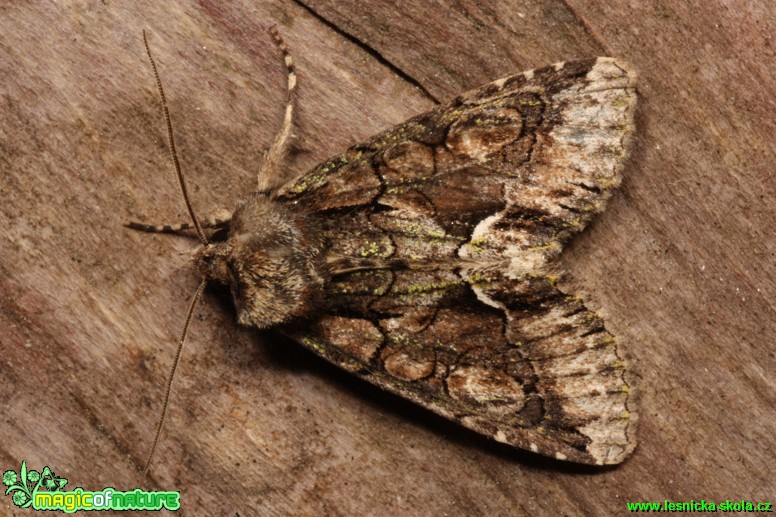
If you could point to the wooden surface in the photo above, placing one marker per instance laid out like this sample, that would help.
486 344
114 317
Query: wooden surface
682 263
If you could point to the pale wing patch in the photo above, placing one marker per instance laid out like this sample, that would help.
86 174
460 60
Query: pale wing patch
597 121
499 392
476 136
583 363
609 440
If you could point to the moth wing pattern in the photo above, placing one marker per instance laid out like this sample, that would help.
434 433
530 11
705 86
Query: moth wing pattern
441 233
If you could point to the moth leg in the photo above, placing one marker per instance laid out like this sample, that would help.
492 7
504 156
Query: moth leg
217 219
268 177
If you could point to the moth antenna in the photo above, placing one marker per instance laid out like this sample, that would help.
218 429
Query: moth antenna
168 391
267 174
171 145
213 221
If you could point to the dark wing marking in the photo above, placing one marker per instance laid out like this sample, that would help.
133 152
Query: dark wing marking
543 375
459 211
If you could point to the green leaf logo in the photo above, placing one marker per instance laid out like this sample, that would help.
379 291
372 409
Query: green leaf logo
23 486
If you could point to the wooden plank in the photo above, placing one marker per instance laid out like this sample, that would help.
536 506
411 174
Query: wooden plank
682 262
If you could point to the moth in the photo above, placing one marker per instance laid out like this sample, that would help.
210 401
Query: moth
423 259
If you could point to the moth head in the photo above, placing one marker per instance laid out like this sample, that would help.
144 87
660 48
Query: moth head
211 261
271 260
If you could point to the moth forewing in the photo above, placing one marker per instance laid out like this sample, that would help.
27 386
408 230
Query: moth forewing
449 225
422 260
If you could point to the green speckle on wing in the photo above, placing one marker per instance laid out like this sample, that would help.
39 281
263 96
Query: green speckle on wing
370 249
479 279
605 182
406 343
575 299
608 339
423 289
436 234
478 245
312 343
308 182
549 246
625 415
340 288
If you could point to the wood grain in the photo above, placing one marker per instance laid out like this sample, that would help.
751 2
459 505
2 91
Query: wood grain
681 264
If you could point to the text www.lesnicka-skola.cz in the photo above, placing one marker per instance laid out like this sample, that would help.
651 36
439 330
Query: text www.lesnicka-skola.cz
700 506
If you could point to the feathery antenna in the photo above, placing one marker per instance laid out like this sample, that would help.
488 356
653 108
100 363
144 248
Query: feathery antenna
170 378
203 239
171 145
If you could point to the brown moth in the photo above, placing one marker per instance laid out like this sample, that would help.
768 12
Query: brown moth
422 259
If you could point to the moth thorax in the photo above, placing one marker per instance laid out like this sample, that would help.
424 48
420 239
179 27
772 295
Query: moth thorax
271 261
